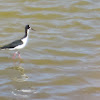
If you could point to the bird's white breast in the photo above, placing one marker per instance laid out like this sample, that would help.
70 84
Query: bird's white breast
24 43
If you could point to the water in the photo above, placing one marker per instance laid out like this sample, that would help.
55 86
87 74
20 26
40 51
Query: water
62 58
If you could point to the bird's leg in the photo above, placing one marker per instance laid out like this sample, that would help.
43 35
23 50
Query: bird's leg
20 59
14 58
19 55
14 55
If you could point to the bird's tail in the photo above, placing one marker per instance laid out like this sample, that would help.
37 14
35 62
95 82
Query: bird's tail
2 48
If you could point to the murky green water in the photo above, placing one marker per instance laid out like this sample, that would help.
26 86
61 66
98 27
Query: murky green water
62 58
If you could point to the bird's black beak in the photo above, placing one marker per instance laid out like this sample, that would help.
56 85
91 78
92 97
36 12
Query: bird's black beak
32 29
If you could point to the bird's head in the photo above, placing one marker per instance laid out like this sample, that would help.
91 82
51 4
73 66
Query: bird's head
28 27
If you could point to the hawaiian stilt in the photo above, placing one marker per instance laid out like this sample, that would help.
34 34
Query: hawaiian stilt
18 44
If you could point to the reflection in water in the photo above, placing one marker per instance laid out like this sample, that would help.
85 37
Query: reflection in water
17 62
17 66
22 77
21 88
25 92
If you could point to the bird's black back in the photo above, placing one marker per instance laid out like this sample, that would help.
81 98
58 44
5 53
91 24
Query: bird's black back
12 45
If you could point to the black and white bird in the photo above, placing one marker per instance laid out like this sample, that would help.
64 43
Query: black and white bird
18 44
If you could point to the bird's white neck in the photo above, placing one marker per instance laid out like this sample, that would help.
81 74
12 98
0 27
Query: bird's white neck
25 38
26 33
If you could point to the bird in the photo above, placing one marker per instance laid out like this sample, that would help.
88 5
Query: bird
18 44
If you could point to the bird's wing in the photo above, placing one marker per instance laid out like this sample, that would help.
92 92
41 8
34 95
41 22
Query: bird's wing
12 45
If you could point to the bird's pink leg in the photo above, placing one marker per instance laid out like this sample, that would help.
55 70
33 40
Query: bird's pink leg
19 55
14 55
